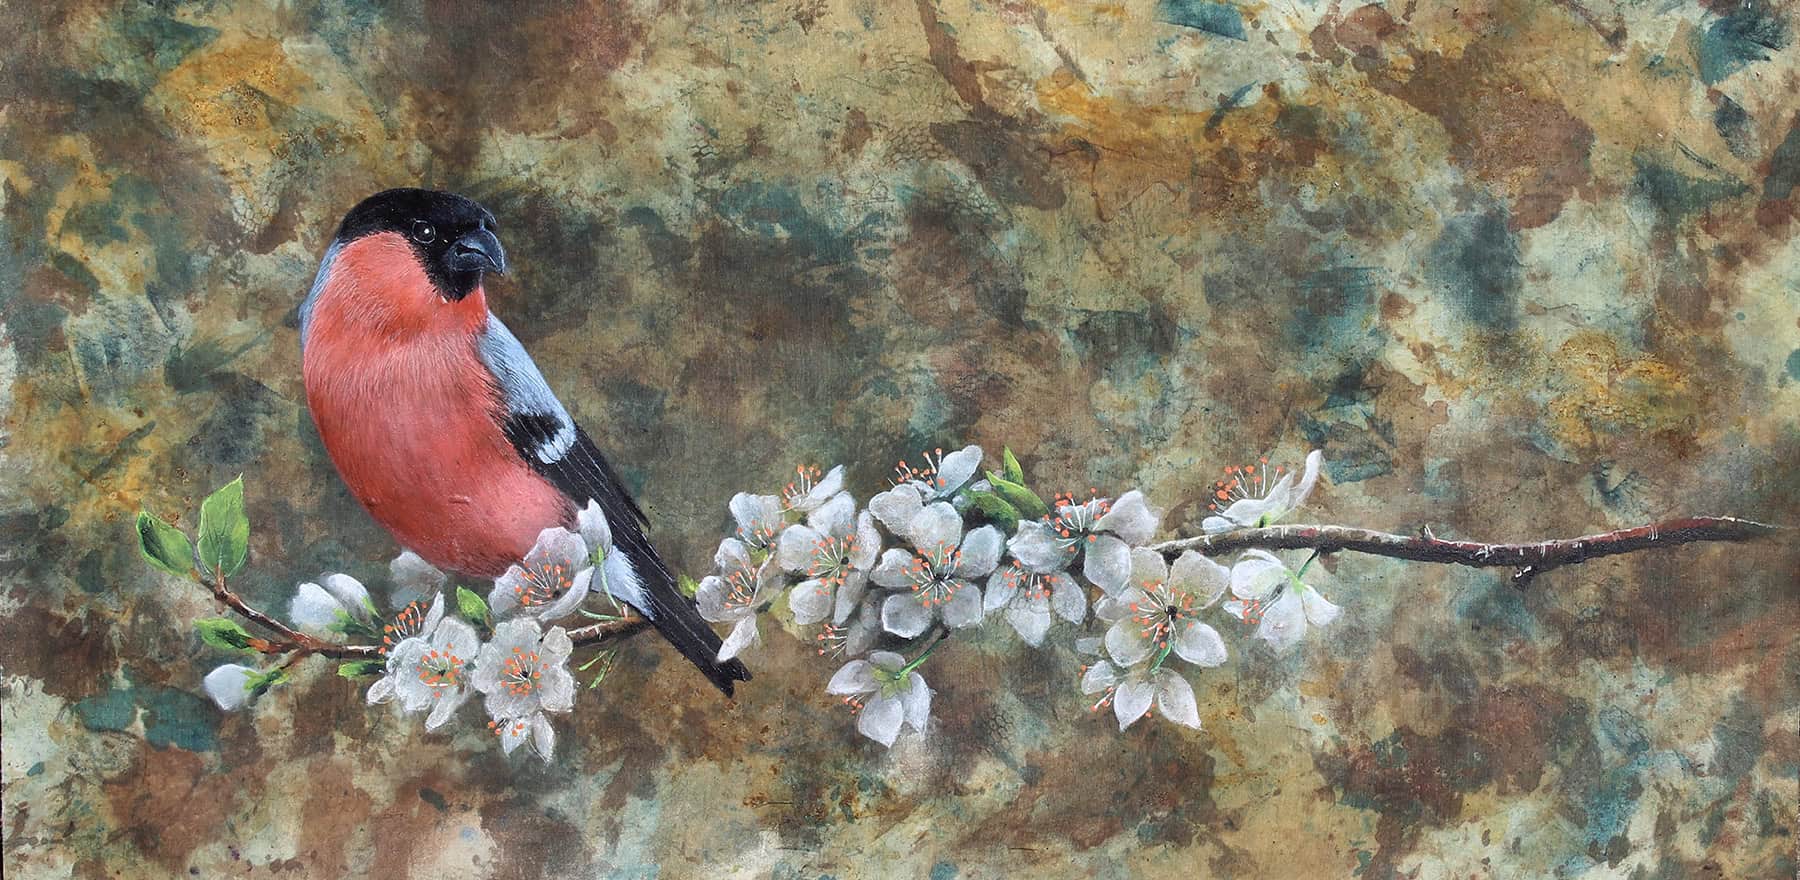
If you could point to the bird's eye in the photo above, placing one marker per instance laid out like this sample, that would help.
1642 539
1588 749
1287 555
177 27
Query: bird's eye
424 233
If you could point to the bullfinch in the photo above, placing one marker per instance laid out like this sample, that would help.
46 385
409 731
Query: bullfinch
443 427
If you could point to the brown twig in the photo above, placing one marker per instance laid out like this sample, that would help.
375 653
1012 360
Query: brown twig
290 639
1529 560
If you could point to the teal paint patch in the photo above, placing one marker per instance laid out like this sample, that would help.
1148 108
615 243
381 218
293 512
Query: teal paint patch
1476 264
1784 166
166 41
1677 195
171 717
943 871
36 769
1793 364
1218 19
113 710
1748 35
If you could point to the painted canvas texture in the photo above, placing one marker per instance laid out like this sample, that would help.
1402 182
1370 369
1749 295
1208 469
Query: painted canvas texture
1516 270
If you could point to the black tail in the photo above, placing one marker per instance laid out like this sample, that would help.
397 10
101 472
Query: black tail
679 621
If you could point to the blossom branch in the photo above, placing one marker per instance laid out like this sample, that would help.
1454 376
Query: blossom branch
1529 559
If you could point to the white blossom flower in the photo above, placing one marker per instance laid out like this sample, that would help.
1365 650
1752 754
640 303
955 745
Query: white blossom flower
941 476
1255 497
933 581
832 553
231 686
1100 530
342 602
1266 593
1029 598
1161 612
808 492
430 672
884 693
1132 691
760 519
413 621
413 579
552 581
732 595
522 673
533 728
855 636
621 580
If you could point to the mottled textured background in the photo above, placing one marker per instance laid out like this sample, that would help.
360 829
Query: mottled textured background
1521 268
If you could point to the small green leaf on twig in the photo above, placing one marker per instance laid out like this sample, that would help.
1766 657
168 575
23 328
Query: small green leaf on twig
1026 501
1010 465
164 545
224 530
605 659
259 683
224 633
996 510
688 586
471 606
361 668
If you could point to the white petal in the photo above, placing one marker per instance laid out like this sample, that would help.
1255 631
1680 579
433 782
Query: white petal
1250 512
868 543
1283 623
382 690
1110 608
732 555
955 470
756 513
413 579
512 733
887 660
849 595
1175 699
836 517
1090 646
457 638
351 594
557 545
1107 564
854 677
434 615
810 601
1196 574
880 719
313 608
1002 586
1130 518
444 707
503 599
1126 643
794 552
595 531
891 573
1132 700
557 689
622 581
742 636
1214 525
1148 567
1099 677
897 507
1311 478
556 645
711 599
1031 624
1067 598
823 490
980 552
963 607
229 686
1037 546
938 525
1199 644
916 701
902 615
1319 610
569 601
1256 575
863 628
543 737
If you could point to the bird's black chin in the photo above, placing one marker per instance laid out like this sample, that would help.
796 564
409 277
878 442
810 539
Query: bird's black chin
460 284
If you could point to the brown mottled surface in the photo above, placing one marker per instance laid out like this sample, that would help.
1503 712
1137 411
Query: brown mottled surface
1522 269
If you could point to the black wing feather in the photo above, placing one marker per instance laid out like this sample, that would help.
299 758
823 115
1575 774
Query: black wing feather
582 473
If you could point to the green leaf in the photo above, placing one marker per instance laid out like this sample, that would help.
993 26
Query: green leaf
471 606
361 668
1029 505
224 530
164 545
688 586
996 510
259 683
223 633
1010 464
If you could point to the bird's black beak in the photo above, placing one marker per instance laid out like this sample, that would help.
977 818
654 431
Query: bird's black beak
477 251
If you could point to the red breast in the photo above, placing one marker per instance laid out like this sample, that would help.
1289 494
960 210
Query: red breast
410 415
